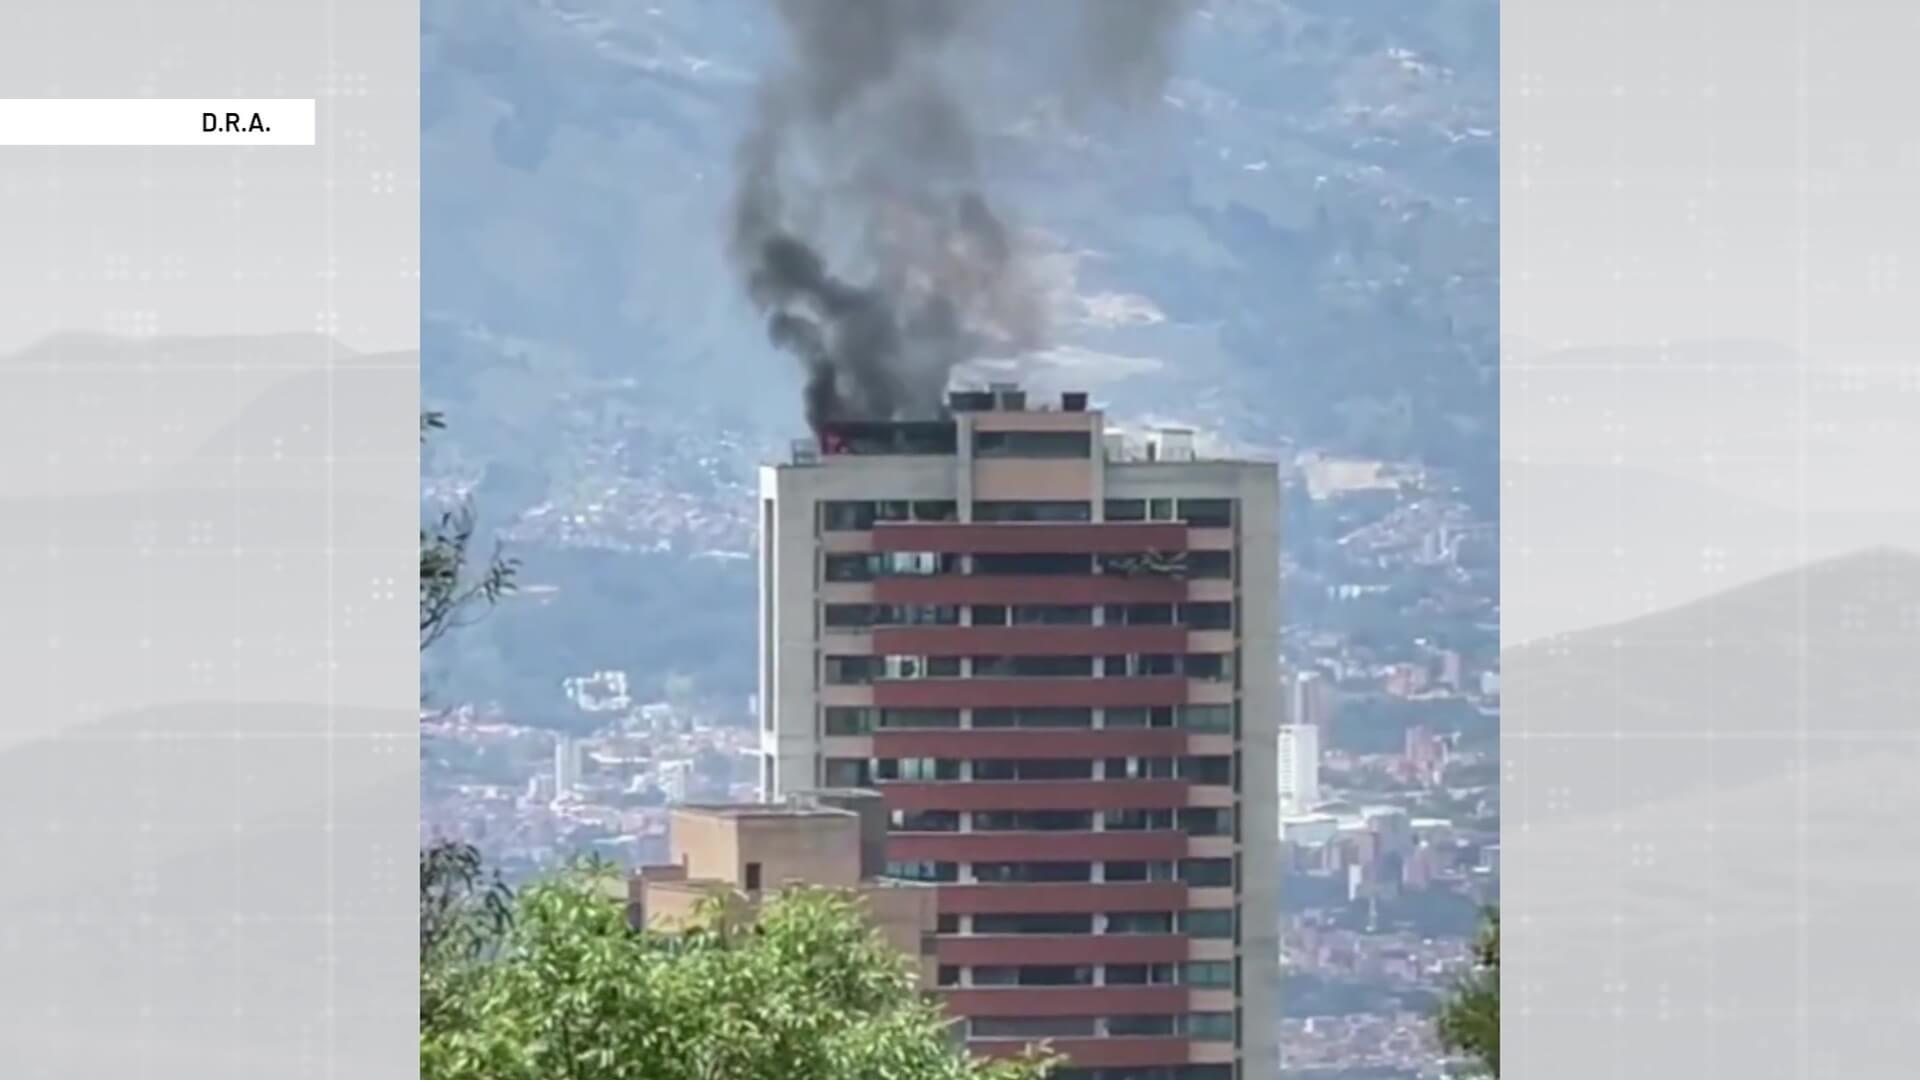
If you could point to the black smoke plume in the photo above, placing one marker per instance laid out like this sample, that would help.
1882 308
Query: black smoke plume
860 224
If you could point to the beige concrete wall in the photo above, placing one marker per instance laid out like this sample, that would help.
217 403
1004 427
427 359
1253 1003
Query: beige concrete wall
1067 480
1259 586
1036 421
813 850
706 845
905 916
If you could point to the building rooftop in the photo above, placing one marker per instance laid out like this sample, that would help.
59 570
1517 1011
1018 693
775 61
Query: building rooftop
762 810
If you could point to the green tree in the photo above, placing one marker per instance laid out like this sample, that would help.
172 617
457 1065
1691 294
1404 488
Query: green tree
806 991
1469 1021
465 911
452 590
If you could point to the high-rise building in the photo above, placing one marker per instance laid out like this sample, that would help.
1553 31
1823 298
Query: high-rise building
1054 651
1297 768
566 766
1308 700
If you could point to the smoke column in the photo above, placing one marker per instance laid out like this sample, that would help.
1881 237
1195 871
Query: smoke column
861 229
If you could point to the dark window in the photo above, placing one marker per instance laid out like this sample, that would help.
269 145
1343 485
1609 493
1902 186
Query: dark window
1140 716
1207 718
1210 666
1139 614
852 670
1207 973
926 820
1139 974
843 567
918 719
1206 821
989 615
947 924
1209 615
843 615
1212 1027
1049 923
1037 564
1031 820
1131 870
1138 768
1216 769
848 720
846 516
1138 820
1126 510
936 510
1203 1072
1052 615
1032 444
847 772
1207 513
1207 923
1139 922
1032 667
1207 873
1032 872
1037 717
753 877
1029 510
1033 1027
1210 564
1146 1024
1033 769
949 975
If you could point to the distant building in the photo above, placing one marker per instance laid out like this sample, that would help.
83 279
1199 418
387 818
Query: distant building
1298 766
1309 701
675 779
566 766
742 852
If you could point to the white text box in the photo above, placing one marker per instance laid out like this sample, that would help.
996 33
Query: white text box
207 122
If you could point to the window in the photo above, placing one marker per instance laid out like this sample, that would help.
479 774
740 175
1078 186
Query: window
1207 513
947 924
1017 873
918 719
1139 922
1048 923
916 769
1217 565
1207 923
1139 768
918 667
1211 1027
842 567
1206 821
1033 975
924 871
1032 510
1037 564
1134 716
1052 615
847 772
949 975
753 877
1131 870
1213 667
1211 974
1037 717
1032 820
1139 510
1207 873
1202 1072
1139 614
1207 718
1033 769
925 820
1138 820
1032 444
1031 1027
1208 615
1213 770
1139 974
1144 665
852 670
1032 667
989 615
1120 1026
848 720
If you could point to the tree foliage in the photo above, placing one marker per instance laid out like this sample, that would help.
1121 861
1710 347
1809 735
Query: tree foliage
807 991
452 593
1469 1022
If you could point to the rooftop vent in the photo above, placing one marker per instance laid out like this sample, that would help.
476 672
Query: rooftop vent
1170 444
970 401
1073 401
